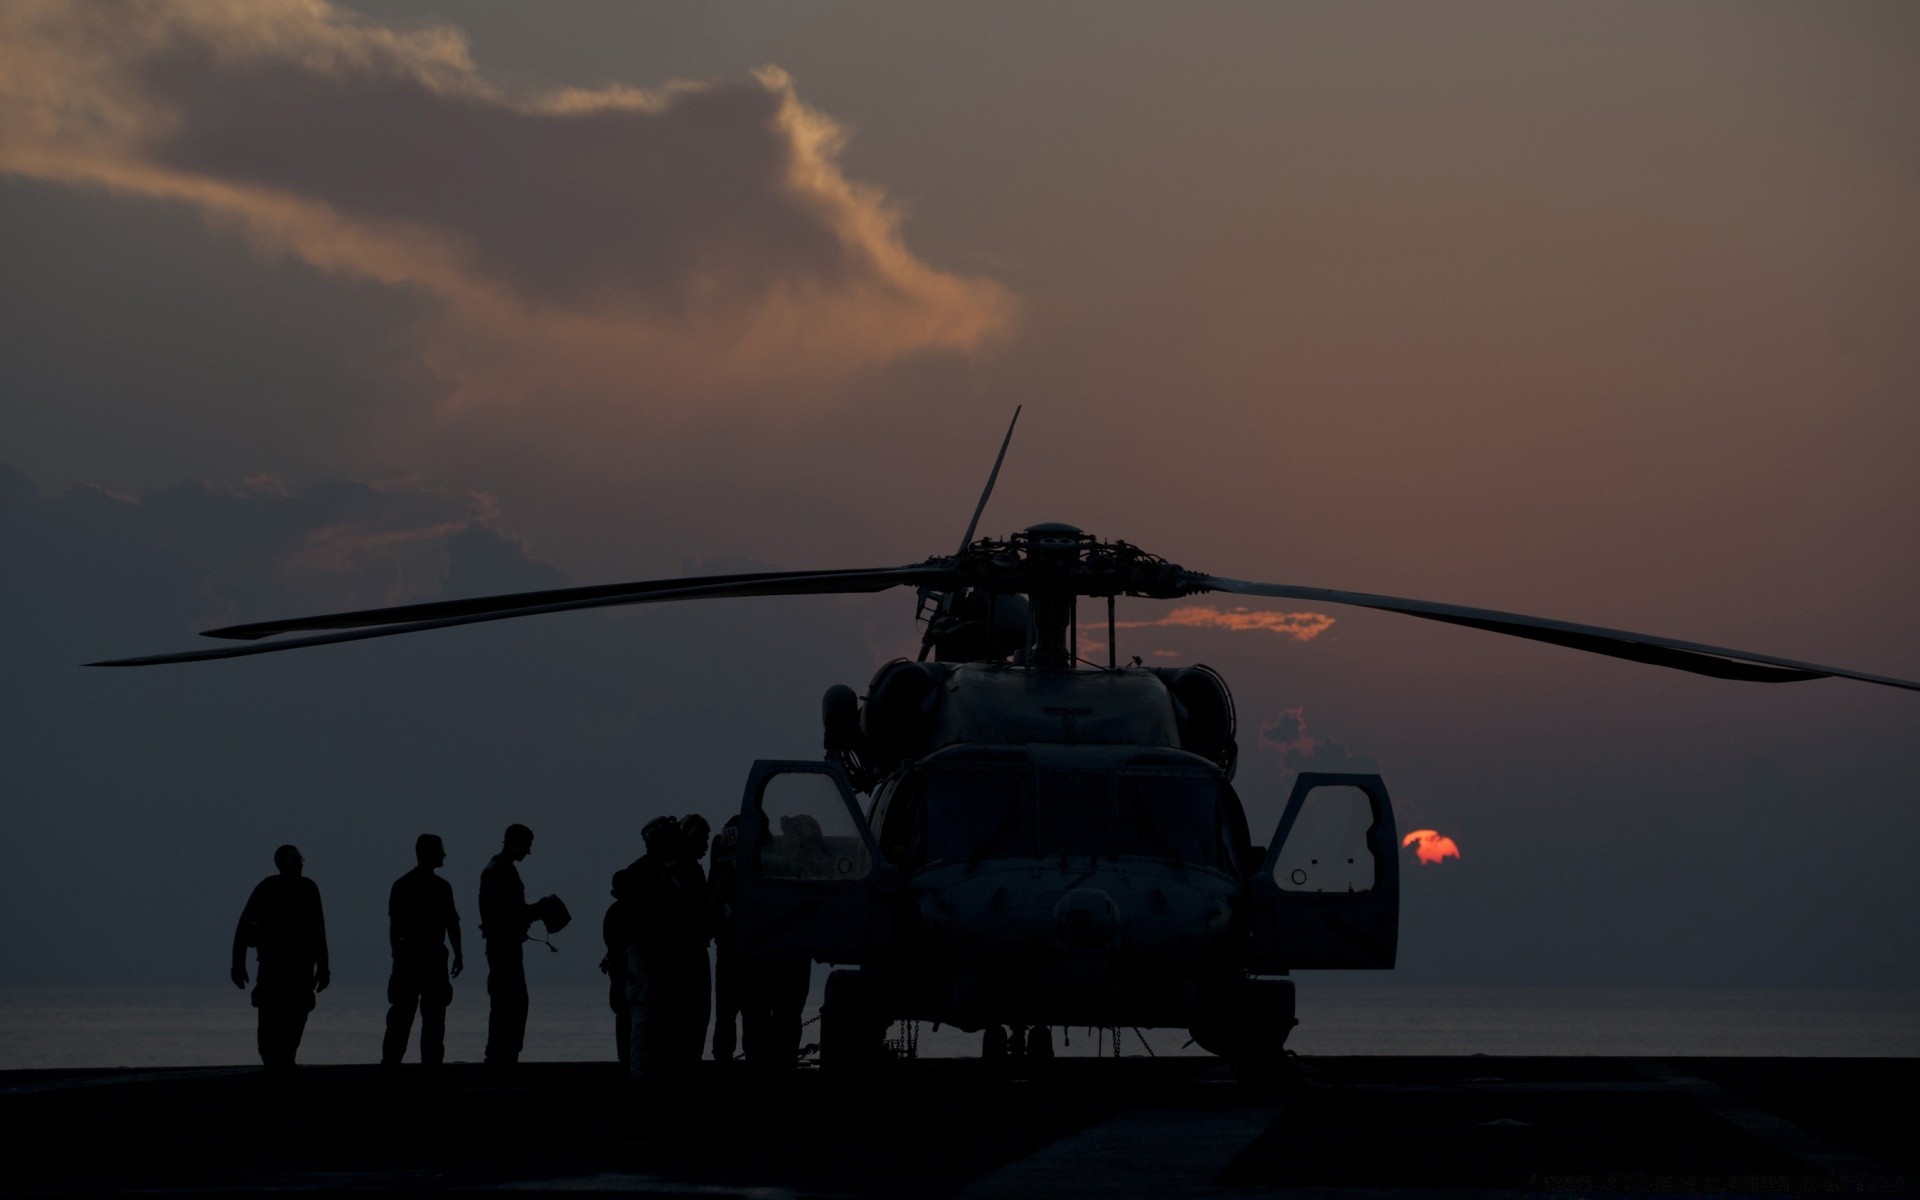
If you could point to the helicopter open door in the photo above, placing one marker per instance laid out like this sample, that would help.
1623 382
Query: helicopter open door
807 874
1329 892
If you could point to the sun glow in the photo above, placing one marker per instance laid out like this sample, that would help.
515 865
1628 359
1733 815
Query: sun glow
1431 846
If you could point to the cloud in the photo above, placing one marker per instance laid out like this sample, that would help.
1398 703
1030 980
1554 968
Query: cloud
697 239
1286 735
264 548
1431 846
1300 626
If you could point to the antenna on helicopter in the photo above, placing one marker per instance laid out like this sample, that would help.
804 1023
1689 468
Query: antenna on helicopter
993 477
939 599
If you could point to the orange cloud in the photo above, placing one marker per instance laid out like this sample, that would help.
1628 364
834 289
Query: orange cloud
1431 847
693 243
1300 626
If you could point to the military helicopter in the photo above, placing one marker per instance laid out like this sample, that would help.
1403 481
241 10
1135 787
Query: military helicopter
1047 840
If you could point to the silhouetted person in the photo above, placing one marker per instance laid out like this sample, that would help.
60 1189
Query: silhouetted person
648 893
613 932
284 924
421 920
505 916
775 998
727 980
693 970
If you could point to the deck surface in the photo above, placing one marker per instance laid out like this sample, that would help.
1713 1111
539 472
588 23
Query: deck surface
1089 1128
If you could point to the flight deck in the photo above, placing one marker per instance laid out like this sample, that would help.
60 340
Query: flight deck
957 1128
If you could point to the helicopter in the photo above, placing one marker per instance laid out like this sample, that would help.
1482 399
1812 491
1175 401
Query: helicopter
1046 840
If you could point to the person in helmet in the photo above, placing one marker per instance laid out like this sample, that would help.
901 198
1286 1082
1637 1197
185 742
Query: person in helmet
284 924
421 921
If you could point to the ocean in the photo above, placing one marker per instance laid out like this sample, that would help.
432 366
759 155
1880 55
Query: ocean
207 1025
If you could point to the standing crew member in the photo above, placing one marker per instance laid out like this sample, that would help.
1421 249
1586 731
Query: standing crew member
613 932
694 972
727 980
284 924
421 920
648 895
504 918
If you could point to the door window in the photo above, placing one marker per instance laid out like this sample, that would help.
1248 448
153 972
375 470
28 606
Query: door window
1326 850
812 835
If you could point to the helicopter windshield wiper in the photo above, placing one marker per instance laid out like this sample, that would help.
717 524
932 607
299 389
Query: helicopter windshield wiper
1154 832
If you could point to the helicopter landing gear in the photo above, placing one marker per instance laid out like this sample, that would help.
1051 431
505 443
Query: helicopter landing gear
993 1044
853 1024
1017 1050
1248 1026
1039 1044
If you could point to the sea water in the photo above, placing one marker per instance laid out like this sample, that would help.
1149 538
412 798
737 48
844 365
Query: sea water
178 1026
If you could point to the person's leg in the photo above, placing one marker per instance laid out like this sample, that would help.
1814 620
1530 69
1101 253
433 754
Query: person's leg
642 1002
507 1010
699 1003
517 1015
280 1028
433 1020
402 998
796 980
296 1029
758 1035
726 1002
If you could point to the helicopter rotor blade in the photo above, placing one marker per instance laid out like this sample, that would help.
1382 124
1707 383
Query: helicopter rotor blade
1697 657
512 602
415 618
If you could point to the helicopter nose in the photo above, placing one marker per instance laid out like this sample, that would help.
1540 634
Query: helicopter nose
1087 919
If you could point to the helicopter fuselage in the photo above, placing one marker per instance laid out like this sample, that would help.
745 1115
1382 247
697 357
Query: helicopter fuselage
1051 884
1055 846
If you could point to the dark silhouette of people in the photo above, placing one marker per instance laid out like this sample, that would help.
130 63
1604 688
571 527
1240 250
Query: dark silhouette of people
693 976
505 917
284 924
421 920
727 978
651 895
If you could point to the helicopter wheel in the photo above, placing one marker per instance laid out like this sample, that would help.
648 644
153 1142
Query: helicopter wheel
1040 1044
993 1044
853 1025
1275 1071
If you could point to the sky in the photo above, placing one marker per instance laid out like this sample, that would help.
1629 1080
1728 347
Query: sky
1598 313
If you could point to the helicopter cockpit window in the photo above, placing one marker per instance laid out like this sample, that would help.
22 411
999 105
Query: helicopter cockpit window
1326 850
976 813
1169 815
1004 812
811 835
1076 813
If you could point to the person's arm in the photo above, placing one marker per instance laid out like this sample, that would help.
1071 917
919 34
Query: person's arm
453 933
239 972
393 917
322 975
